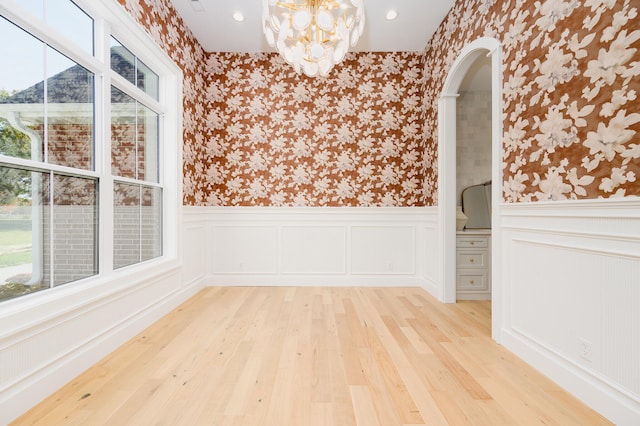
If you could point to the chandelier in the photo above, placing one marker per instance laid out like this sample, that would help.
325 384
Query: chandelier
312 35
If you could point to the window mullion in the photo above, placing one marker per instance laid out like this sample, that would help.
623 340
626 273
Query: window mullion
103 149
136 134
140 224
125 86
51 226
131 181
42 167
45 121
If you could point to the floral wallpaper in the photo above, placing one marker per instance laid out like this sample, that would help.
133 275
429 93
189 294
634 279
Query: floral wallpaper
353 138
168 30
367 134
571 78
265 136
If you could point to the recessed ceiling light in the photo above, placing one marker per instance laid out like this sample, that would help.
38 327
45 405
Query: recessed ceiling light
238 16
391 15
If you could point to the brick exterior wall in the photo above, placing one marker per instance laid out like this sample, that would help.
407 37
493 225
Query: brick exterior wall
74 242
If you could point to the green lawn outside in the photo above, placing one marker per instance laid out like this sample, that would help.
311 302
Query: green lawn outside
14 259
13 238
15 248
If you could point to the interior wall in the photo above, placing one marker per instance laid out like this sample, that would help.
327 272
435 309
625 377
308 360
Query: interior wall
569 123
271 246
576 317
569 93
257 134
165 26
568 98
278 138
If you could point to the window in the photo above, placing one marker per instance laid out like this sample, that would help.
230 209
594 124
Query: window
137 206
133 69
56 167
137 203
65 17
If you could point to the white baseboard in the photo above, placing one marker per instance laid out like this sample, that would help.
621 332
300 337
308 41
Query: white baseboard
313 281
473 296
596 392
569 273
431 287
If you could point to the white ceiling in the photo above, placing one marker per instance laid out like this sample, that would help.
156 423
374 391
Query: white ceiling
216 30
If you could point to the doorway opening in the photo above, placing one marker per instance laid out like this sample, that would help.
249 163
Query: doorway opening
447 194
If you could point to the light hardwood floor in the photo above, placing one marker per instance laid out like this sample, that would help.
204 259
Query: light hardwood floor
314 356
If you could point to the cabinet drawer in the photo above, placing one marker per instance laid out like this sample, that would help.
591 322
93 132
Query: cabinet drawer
472 242
466 260
471 281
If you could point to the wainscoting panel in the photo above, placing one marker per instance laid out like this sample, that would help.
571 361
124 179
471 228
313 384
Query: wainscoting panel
313 250
194 254
316 246
571 285
244 250
383 250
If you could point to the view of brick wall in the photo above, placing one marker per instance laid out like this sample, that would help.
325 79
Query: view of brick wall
127 147
151 224
74 241
71 144
137 218
74 232
126 235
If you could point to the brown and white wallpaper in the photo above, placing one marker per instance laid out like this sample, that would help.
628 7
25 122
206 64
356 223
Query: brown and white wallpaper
257 134
353 138
166 27
571 79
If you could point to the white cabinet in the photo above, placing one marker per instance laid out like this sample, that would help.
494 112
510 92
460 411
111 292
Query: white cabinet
473 264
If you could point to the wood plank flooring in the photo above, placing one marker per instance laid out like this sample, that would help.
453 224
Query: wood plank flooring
314 356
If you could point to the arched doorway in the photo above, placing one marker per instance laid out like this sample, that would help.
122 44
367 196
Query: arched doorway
447 171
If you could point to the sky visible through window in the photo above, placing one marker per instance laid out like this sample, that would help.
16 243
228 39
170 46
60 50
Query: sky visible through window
24 70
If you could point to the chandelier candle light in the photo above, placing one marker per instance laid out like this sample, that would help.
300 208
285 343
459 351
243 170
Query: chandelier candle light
313 35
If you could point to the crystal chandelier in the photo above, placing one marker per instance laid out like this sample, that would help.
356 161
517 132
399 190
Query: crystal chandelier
312 35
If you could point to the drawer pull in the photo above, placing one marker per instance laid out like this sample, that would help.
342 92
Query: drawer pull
472 282
471 260
472 243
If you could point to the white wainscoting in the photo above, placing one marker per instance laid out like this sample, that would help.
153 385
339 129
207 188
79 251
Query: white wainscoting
48 338
312 250
313 246
571 293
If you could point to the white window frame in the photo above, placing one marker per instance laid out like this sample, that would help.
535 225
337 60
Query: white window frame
110 18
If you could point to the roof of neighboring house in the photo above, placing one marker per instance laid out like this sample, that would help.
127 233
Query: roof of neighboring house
75 85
